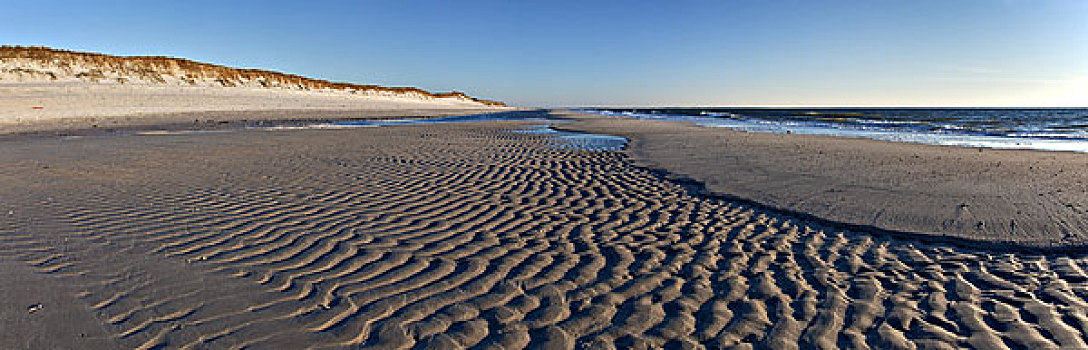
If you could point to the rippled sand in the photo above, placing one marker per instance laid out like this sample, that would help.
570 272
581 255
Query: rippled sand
456 236
991 197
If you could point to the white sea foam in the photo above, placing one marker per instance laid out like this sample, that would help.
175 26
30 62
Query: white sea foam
1073 142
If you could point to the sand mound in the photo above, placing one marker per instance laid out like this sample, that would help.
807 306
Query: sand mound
42 86
461 236
46 65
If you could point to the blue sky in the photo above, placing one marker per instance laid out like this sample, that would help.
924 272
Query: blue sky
575 53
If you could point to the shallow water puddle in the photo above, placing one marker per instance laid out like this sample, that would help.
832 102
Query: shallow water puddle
335 125
441 120
577 140
569 139
182 132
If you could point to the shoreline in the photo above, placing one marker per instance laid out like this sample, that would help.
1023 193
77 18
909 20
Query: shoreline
1022 198
1055 134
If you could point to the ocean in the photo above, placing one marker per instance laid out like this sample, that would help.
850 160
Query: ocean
1048 129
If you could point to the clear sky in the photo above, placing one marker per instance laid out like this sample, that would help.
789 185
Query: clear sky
576 53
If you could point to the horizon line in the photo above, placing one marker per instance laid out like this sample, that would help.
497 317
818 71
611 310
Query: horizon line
824 106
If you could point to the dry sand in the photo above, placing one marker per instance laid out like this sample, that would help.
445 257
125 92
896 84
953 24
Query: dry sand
1024 198
456 236
28 107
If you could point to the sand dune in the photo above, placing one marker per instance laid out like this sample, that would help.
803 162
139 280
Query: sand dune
36 65
84 106
49 89
458 236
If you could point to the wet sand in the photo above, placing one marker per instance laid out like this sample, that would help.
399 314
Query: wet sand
223 119
1003 198
468 235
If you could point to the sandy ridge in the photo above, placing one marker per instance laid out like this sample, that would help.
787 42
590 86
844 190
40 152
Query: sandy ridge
58 90
35 64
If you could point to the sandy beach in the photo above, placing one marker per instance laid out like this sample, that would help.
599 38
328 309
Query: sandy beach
734 175
43 107
1004 198
477 235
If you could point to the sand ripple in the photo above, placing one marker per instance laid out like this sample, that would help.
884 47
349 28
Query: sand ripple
476 237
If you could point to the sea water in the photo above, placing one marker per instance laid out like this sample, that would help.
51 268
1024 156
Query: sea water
577 140
500 116
1048 129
